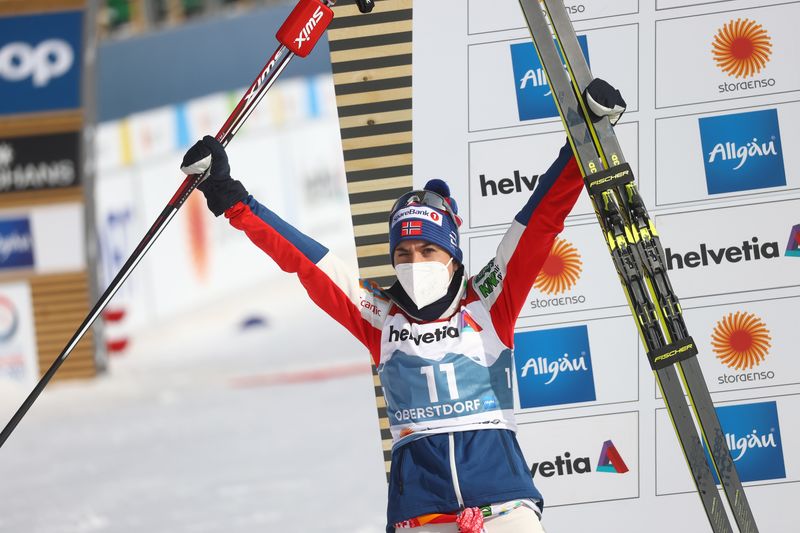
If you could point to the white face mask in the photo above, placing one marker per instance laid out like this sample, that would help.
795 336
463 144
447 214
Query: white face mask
424 282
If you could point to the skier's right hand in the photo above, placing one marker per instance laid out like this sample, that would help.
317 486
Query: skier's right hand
221 191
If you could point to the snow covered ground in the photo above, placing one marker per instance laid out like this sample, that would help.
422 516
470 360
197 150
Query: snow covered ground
188 433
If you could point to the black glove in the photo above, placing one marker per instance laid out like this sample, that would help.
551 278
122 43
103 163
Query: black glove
603 100
221 191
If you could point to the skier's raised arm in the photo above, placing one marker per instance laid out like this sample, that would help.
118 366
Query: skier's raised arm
504 283
326 278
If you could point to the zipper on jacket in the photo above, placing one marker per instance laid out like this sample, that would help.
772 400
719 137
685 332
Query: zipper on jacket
453 471
400 471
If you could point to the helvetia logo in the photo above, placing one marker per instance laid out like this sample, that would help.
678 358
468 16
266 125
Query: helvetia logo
741 48
610 461
741 340
793 247
742 151
561 269
406 334
751 250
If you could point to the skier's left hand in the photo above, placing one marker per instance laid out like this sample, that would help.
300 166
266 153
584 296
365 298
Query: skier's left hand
221 191
603 100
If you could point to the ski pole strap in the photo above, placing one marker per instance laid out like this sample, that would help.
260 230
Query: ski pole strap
609 178
672 353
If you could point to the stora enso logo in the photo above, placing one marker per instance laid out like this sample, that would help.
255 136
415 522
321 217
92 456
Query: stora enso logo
742 151
534 98
554 367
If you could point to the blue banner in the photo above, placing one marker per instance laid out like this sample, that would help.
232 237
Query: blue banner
40 62
16 243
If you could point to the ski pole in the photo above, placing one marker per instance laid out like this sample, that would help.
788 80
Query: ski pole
298 34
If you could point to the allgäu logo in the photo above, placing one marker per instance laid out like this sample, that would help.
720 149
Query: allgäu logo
16 243
554 367
742 151
753 434
534 98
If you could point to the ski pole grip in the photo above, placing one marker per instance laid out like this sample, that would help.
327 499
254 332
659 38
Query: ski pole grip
304 26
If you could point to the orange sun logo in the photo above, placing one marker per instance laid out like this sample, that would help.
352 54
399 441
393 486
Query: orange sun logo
741 48
741 340
561 269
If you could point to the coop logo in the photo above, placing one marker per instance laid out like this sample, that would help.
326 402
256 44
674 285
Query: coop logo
751 250
40 62
741 341
793 247
16 243
610 461
534 99
742 151
753 434
554 367
741 49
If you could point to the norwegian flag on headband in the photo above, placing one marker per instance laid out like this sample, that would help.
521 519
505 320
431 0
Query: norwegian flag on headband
412 227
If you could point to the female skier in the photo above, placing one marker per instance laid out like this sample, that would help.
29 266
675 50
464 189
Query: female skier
441 340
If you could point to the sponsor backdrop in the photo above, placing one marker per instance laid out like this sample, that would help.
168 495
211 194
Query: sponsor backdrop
713 98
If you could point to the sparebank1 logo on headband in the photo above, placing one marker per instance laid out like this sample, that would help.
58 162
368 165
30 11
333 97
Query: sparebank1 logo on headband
742 151
554 367
753 434
534 98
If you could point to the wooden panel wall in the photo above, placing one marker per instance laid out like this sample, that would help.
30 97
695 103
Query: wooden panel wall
60 304
60 301
371 62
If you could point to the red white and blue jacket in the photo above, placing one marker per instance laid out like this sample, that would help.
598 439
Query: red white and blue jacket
447 381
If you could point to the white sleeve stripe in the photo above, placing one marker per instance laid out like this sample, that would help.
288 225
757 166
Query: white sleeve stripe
342 276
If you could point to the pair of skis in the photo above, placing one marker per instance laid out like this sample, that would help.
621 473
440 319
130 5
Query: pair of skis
639 259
